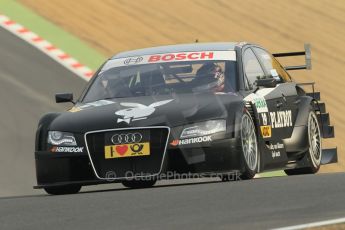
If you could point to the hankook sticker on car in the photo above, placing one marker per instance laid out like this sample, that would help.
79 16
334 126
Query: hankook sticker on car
57 149
191 141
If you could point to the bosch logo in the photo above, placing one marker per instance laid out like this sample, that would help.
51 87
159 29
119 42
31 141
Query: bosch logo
127 138
132 61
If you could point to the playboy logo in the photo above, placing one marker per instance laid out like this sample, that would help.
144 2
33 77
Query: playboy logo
138 111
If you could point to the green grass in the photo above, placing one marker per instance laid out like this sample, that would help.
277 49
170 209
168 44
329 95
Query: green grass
57 36
272 174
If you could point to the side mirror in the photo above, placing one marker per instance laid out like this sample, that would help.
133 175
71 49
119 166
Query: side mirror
268 82
64 97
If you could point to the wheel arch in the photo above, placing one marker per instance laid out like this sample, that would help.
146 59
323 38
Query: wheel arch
235 112
42 129
298 142
304 109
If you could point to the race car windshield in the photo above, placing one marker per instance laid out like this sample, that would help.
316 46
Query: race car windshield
163 79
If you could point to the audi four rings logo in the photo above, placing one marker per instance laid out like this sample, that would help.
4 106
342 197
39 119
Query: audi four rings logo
130 61
126 138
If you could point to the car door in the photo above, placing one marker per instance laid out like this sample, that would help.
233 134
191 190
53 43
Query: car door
269 104
266 101
283 118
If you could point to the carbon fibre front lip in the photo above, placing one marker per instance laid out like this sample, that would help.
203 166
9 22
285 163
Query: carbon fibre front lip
48 154
67 183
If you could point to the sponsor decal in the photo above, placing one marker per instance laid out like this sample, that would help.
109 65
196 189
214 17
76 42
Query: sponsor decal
181 56
138 111
275 154
57 149
264 118
91 105
133 60
97 103
195 132
204 129
281 119
170 57
191 141
126 138
127 150
258 101
266 131
260 104
275 148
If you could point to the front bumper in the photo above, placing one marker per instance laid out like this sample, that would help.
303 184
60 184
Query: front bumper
63 169
58 169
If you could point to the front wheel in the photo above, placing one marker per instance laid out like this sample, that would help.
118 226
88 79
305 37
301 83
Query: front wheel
249 147
63 190
314 152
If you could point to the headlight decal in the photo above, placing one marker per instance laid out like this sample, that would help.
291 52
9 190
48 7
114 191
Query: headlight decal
204 129
61 138
199 132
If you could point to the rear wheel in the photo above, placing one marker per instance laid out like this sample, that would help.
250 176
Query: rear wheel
63 190
250 150
136 183
314 152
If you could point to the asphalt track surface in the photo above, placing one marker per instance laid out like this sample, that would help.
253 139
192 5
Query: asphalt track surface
28 82
257 204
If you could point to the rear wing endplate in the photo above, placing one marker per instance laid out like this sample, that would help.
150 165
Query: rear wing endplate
306 53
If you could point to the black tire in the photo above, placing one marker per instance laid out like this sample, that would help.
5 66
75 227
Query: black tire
251 163
314 153
137 183
63 190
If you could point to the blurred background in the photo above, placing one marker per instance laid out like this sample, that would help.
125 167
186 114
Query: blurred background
107 27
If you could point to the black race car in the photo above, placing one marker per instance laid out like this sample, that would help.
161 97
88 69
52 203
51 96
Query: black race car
212 109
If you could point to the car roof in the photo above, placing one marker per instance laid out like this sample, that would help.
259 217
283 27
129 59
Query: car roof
191 47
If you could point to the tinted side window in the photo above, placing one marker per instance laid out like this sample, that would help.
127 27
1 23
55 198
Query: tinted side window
252 68
272 66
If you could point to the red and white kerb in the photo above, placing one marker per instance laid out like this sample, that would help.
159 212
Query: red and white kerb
46 47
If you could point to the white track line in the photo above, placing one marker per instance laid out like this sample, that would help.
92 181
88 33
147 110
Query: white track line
46 47
313 224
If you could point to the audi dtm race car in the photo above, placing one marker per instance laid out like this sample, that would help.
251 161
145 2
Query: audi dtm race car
194 109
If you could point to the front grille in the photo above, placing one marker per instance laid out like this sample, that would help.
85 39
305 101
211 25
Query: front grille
108 164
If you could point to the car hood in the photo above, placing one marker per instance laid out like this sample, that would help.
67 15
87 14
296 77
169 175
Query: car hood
146 111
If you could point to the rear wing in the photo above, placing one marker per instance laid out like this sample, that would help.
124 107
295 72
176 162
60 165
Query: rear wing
306 53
